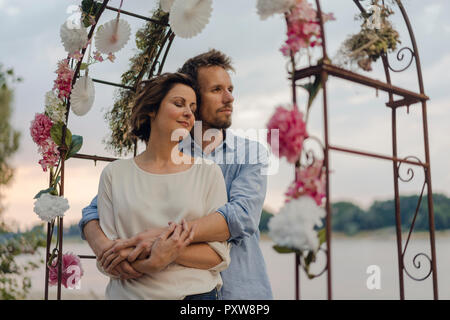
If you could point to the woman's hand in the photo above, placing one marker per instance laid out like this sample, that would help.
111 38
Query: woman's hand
141 243
166 248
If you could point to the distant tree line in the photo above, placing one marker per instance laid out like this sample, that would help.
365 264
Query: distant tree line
349 218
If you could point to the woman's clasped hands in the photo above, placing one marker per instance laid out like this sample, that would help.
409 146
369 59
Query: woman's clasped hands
147 252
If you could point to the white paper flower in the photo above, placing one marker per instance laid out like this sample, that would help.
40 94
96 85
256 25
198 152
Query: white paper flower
73 39
266 8
166 5
82 96
293 226
55 107
48 207
188 17
112 36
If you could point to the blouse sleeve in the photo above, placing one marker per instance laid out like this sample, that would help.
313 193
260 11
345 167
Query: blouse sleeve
105 210
215 198
105 204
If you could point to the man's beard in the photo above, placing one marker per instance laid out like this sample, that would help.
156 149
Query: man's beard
220 124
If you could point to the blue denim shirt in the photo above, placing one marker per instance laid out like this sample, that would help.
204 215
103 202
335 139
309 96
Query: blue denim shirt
243 163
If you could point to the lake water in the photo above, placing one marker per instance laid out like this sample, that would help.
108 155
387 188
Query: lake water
350 259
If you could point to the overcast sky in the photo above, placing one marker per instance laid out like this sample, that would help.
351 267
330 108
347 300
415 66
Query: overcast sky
30 43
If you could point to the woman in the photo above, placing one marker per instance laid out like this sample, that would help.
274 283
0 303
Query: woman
161 185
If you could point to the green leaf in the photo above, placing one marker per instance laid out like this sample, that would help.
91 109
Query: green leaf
83 66
281 249
40 193
56 134
322 234
75 146
313 89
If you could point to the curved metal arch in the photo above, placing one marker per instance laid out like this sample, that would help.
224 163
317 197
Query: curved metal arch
387 67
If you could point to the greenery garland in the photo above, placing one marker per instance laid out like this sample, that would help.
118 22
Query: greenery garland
150 39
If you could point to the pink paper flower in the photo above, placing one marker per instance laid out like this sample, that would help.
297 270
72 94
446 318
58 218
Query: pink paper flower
72 271
40 128
50 154
64 80
303 28
309 181
292 132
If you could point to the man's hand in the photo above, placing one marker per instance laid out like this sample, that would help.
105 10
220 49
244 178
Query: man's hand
166 248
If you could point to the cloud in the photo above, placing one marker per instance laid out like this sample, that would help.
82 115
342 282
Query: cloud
10 10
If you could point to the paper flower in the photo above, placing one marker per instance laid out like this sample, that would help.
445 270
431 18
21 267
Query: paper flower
48 207
50 154
72 271
292 132
55 108
73 39
166 5
293 226
64 80
309 181
40 128
267 8
188 17
112 36
83 95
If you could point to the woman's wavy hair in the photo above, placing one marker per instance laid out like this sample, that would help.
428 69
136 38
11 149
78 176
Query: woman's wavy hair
149 95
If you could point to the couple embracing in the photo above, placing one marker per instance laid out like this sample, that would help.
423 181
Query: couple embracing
180 220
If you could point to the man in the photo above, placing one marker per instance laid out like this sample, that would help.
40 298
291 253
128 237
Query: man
242 161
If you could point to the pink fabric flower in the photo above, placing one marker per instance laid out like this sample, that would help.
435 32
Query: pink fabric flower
309 181
111 57
64 80
98 56
50 154
76 55
292 132
40 128
303 28
72 271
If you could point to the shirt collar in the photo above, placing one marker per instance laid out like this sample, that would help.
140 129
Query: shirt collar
228 141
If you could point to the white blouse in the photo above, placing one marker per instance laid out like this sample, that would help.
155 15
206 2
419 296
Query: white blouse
131 200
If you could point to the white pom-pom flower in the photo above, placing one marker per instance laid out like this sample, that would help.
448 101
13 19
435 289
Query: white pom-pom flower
293 226
82 96
267 8
112 36
188 17
166 5
48 207
74 38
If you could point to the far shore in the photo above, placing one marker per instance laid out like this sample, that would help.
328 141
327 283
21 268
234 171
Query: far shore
380 234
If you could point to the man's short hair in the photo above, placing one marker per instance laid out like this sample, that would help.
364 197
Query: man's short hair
208 59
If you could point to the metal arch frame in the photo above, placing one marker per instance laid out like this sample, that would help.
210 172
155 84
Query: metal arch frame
153 70
408 98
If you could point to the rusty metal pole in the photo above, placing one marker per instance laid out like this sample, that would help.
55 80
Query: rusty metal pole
324 76
427 152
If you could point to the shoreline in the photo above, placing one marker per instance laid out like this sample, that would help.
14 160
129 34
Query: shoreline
379 234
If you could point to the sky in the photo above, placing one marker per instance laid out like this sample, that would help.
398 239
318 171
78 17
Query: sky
30 43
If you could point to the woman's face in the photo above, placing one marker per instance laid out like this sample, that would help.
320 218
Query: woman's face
176 112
